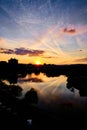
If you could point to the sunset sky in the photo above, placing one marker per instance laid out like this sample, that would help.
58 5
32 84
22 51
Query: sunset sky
49 31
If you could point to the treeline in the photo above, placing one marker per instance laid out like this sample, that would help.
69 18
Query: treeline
13 67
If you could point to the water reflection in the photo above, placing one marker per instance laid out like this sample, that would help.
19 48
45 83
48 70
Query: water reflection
55 91
52 91
48 84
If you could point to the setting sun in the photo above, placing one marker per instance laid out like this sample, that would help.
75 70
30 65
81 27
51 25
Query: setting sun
38 62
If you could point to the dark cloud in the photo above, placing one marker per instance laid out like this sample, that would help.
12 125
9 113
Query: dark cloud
1 49
80 50
69 31
48 57
30 80
22 51
81 60
6 51
36 52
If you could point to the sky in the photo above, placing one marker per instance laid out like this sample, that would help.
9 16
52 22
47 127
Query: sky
49 31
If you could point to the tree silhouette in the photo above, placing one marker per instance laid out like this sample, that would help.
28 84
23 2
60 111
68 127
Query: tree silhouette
31 96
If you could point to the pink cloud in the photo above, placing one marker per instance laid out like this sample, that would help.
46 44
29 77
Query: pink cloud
69 31
75 31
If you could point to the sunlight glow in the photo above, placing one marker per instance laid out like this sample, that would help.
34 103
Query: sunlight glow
37 62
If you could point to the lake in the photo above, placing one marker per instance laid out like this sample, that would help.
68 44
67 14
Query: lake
52 91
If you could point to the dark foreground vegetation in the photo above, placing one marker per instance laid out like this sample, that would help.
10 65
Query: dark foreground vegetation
16 113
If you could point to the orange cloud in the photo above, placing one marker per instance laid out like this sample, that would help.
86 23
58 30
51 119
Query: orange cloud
81 60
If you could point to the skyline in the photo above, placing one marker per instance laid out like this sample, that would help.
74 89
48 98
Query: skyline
49 31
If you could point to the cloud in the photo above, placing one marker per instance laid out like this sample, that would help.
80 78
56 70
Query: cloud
6 51
22 51
75 31
81 60
30 80
69 31
49 57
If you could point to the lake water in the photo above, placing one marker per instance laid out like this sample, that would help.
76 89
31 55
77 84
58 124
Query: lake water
52 91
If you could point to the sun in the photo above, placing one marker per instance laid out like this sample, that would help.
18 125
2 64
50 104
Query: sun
38 62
